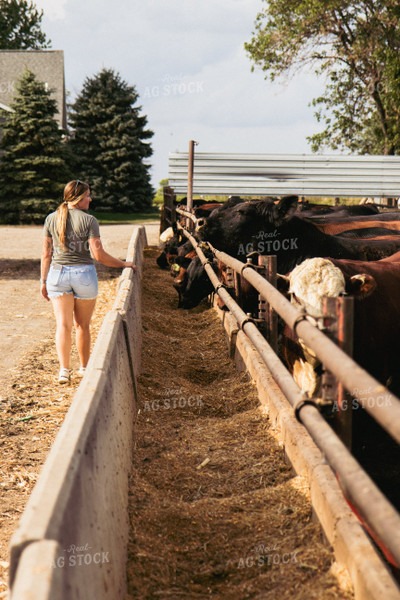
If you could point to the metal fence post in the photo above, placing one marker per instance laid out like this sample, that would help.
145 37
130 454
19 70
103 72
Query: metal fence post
338 324
189 201
266 310
345 319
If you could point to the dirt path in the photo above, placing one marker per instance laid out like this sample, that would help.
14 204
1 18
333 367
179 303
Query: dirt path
215 510
32 404
25 317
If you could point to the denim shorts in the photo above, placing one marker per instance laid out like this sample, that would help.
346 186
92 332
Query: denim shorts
80 280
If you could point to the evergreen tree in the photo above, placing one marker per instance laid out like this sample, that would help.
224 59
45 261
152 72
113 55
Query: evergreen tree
20 23
33 167
109 144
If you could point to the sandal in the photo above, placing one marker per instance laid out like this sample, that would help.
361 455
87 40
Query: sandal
81 371
64 376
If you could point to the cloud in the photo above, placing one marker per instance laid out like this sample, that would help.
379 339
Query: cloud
188 64
266 139
227 93
53 9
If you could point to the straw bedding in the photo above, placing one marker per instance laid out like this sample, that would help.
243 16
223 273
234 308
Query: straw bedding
215 510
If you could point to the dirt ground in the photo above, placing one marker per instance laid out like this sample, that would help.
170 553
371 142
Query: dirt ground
32 404
24 315
215 510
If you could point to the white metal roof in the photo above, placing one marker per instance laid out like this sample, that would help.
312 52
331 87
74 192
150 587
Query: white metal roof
280 174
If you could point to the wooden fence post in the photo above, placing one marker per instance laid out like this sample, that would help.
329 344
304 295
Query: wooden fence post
168 213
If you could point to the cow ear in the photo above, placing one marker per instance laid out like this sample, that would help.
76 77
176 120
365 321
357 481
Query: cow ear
361 286
285 209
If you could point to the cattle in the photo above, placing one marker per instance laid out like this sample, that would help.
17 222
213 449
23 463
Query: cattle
245 294
174 242
196 202
204 210
376 289
371 233
196 285
274 228
177 245
240 227
179 269
338 223
270 227
306 209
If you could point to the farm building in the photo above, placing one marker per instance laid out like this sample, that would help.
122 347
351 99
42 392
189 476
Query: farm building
48 66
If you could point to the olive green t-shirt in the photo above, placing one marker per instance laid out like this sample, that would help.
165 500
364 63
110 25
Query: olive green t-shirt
80 228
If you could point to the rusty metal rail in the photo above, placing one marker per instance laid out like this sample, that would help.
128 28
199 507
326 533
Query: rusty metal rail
375 398
187 214
359 488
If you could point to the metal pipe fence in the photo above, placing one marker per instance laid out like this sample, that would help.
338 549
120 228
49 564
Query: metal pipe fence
369 501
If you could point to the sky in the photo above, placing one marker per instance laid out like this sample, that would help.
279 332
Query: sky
187 62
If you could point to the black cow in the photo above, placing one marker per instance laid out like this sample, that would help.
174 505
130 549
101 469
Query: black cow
196 285
273 228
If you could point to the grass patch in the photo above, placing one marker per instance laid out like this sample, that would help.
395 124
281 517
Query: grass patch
109 218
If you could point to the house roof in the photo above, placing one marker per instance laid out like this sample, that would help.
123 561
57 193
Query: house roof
4 107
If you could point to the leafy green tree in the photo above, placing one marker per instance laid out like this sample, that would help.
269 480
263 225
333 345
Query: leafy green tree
356 46
110 145
33 168
159 197
20 26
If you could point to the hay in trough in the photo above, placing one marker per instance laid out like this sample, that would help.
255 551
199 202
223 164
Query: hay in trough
215 510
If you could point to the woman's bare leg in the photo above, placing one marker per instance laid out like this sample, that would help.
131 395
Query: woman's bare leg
63 309
83 311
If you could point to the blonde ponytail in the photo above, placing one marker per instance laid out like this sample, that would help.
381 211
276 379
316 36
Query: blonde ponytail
73 194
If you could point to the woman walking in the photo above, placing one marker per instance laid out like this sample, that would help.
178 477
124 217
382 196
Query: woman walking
68 275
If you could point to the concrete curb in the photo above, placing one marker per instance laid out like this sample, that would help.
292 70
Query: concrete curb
129 296
79 504
352 546
36 572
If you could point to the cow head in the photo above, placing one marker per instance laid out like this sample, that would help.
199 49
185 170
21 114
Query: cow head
311 281
239 228
316 278
177 245
308 284
195 286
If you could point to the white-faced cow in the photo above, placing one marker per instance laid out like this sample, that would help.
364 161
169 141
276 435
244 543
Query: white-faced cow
376 289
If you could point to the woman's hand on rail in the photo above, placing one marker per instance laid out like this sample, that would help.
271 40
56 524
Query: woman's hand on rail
131 265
